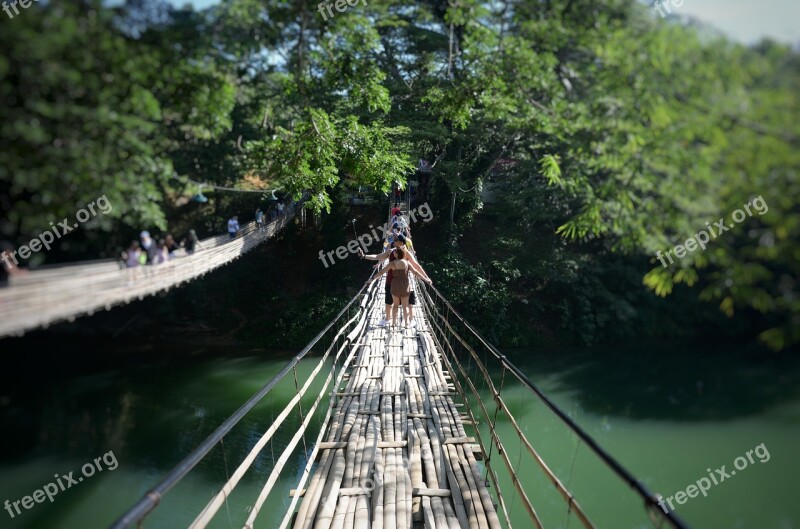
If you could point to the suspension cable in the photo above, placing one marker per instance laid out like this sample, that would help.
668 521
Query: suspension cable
650 499
152 498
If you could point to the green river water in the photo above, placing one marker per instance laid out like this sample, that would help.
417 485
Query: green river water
666 413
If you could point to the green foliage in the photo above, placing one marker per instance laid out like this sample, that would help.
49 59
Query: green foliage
620 133
634 150
319 152
468 287
300 322
93 112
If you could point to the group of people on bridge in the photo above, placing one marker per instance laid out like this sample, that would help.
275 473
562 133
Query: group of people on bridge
398 291
149 251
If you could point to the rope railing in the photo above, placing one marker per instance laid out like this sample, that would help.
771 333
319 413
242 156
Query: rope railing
50 295
469 360
450 330
351 321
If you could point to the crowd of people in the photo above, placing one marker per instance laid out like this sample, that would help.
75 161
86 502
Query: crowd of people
399 297
149 251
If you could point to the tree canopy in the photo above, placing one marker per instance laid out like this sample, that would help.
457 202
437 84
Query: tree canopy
617 132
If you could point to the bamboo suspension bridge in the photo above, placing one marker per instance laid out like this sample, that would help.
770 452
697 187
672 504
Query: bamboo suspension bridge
393 427
60 293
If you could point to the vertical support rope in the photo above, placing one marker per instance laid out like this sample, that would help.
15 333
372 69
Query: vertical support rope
149 501
300 408
227 477
569 478
449 351
628 478
493 424
501 450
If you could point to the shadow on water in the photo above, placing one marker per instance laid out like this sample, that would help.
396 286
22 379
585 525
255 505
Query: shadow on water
666 414
153 408
657 382
150 410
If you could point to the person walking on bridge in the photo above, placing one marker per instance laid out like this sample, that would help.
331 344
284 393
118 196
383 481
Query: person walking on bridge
131 256
400 225
191 242
391 254
233 227
259 219
149 248
400 288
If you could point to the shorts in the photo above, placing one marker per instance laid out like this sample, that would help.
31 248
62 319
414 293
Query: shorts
389 300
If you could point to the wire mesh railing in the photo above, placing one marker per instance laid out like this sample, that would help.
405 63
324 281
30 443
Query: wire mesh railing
474 362
47 296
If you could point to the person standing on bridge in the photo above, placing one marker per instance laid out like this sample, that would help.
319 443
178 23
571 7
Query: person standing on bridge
400 288
410 254
399 224
148 247
395 244
191 242
172 246
233 227
162 252
132 254
259 219
8 263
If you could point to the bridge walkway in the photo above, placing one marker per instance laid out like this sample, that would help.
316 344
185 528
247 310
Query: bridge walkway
396 453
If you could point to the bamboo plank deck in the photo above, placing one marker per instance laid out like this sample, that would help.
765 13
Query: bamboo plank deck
396 454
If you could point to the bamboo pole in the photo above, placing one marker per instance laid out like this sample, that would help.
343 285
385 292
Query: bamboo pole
378 495
390 491
400 377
